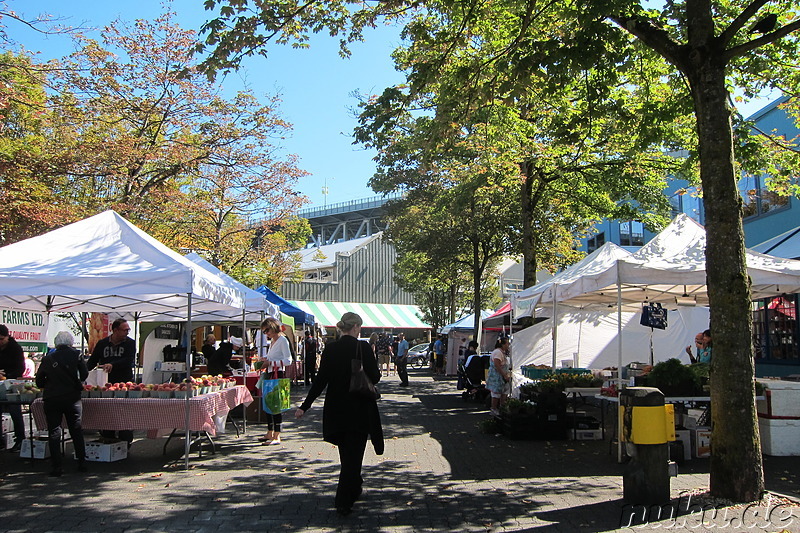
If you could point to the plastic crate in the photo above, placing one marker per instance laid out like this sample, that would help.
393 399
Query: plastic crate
532 372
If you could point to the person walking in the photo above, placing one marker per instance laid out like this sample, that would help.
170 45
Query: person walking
309 357
61 374
348 420
401 360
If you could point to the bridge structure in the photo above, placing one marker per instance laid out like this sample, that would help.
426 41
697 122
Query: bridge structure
346 221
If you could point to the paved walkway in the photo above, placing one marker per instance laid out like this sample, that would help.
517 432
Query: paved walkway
439 473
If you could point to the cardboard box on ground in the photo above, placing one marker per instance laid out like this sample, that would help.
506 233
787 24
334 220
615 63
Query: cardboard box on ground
106 450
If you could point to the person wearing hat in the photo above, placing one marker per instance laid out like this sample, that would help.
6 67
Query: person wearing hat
61 375
12 366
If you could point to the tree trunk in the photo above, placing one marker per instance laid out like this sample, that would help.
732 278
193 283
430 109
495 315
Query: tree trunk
736 467
529 265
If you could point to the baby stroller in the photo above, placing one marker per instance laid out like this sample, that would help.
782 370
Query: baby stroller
474 370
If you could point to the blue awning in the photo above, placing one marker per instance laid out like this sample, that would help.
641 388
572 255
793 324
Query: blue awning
300 316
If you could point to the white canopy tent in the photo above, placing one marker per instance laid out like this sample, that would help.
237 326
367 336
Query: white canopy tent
669 269
256 305
106 264
588 337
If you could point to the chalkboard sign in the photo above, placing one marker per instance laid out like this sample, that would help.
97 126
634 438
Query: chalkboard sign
168 331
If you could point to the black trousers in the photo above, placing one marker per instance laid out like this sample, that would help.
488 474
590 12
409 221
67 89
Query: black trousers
15 410
402 369
351 457
274 422
310 366
54 409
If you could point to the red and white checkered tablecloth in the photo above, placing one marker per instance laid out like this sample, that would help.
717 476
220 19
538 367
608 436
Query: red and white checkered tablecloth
154 413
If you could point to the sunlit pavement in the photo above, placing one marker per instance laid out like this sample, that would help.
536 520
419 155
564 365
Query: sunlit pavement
439 473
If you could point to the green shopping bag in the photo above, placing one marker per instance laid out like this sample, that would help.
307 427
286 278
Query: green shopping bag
275 394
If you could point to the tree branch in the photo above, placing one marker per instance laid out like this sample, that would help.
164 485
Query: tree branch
739 22
761 41
656 38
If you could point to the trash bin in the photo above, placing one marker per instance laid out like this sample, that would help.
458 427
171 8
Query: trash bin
647 426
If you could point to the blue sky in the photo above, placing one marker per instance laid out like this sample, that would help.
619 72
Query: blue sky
315 85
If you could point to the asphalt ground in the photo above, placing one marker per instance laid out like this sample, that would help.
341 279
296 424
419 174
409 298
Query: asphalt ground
439 473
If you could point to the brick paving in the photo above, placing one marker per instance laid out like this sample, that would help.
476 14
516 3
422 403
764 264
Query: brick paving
439 473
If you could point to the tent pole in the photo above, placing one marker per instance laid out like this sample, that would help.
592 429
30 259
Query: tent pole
555 325
244 364
619 362
188 434
138 358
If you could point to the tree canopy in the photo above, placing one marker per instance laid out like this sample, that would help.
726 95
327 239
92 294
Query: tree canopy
705 49
129 123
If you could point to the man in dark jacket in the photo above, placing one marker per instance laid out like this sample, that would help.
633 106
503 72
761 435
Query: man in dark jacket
61 375
116 354
12 366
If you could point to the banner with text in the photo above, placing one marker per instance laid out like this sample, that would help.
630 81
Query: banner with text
29 328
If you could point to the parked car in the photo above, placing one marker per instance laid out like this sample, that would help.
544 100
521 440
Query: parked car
418 355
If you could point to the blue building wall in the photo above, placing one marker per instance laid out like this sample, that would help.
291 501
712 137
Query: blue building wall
766 214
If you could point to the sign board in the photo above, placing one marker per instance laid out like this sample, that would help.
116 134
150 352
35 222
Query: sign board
29 328
168 331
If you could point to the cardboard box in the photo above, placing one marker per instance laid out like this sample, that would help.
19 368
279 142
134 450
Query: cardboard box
106 451
585 434
7 440
6 426
685 436
701 442
781 400
779 437
173 366
41 449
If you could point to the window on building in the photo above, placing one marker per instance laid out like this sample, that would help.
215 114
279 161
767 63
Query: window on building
775 329
631 234
596 242
757 199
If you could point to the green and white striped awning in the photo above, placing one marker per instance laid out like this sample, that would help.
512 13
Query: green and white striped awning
374 315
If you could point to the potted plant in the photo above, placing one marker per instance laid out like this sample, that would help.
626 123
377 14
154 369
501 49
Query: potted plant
673 378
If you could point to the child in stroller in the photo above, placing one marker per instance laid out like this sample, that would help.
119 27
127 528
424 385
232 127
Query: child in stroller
471 372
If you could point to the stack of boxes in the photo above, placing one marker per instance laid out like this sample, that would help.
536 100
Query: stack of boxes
6 431
779 417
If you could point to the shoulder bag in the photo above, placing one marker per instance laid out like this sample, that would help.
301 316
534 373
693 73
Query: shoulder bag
360 384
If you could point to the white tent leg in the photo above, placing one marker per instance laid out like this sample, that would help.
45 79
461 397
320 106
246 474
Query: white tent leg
555 326
244 365
619 365
188 435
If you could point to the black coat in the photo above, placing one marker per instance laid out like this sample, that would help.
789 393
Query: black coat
62 374
344 412
12 359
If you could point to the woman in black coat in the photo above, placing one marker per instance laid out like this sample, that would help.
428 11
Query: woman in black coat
61 375
348 420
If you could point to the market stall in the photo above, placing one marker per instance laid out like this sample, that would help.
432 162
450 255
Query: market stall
670 269
106 264
156 414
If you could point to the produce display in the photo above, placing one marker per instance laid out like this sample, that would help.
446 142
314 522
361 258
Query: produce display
190 387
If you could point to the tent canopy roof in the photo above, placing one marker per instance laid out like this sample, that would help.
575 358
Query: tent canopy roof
104 263
465 323
300 316
374 315
668 269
